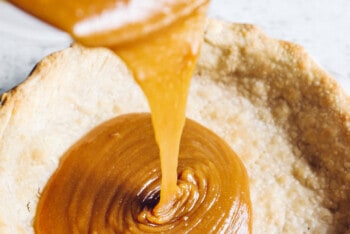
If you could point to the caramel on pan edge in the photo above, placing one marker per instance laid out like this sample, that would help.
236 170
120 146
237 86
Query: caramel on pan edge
110 180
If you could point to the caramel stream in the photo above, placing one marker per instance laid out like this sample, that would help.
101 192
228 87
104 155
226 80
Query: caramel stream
99 184
166 89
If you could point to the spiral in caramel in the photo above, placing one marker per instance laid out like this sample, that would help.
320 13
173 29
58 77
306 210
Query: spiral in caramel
109 182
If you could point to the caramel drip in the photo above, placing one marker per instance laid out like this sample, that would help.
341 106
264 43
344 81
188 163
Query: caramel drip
108 181
164 75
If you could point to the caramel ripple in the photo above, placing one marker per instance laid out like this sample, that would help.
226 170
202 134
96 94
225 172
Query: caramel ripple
109 181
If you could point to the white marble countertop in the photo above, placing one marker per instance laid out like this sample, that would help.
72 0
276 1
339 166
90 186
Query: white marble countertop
321 27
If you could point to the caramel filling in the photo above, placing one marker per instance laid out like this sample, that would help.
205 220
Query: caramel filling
160 45
108 182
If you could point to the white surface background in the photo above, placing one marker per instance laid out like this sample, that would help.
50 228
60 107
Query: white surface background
322 27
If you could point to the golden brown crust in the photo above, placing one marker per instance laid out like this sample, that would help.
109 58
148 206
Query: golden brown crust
305 103
68 93
285 117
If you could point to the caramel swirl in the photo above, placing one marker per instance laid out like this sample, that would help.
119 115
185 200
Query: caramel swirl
109 182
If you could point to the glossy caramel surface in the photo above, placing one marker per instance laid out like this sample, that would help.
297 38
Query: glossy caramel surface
109 182
110 22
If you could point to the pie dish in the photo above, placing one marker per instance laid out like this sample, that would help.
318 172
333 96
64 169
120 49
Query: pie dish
285 117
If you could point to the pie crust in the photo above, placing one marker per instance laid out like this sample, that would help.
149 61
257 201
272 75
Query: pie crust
284 116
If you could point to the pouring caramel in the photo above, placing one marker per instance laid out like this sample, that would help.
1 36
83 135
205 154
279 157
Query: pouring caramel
160 42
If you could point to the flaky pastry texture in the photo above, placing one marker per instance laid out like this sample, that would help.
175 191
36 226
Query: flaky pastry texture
285 117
